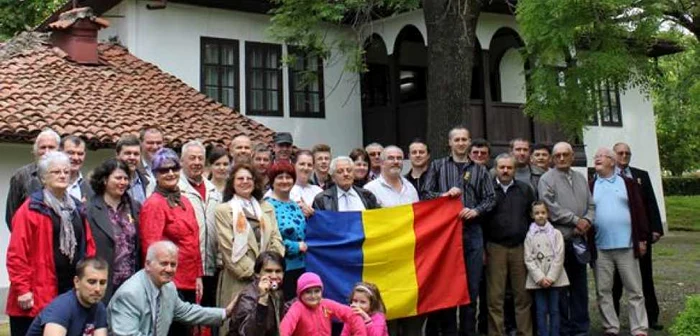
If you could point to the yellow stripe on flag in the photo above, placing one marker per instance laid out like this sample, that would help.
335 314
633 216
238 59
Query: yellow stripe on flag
389 262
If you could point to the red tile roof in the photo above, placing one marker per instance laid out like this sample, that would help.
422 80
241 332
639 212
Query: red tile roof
40 88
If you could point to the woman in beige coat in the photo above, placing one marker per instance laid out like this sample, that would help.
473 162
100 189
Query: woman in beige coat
246 226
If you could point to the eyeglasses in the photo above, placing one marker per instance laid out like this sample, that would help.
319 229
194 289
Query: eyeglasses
373 154
600 156
165 170
480 153
624 153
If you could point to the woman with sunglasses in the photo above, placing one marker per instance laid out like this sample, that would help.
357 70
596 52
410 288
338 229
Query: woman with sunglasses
168 215
246 226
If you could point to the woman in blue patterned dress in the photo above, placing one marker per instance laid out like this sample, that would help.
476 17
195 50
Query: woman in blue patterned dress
291 222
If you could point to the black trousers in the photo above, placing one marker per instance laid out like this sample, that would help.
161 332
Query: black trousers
177 328
19 325
289 284
652 305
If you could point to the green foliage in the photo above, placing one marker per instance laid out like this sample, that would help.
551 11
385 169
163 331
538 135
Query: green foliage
687 323
683 186
305 23
677 108
575 46
20 15
682 212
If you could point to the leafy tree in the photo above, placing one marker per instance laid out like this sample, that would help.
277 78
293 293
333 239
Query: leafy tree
451 28
575 46
19 15
677 108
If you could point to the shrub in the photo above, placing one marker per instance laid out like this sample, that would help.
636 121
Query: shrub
681 186
687 323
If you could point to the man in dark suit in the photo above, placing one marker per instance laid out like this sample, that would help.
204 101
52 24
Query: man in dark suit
343 195
624 155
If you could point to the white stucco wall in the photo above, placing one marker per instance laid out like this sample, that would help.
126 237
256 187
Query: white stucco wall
14 157
170 38
512 74
639 131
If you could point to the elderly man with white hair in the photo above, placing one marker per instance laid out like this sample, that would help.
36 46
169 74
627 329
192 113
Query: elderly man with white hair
25 180
343 196
148 303
621 235
571 210
204 198
392 189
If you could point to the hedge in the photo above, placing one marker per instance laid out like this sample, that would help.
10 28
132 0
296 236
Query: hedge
681 186
687 323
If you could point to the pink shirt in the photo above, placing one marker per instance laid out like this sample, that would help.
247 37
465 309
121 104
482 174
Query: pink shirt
301 320
375 327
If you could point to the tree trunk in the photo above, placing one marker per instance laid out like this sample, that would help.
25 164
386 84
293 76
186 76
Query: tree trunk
451 27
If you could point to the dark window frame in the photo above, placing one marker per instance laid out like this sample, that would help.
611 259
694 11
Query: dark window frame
220 67
266 48
378 92
605 93
307 113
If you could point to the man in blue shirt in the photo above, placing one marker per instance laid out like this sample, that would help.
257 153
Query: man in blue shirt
78 312
621 238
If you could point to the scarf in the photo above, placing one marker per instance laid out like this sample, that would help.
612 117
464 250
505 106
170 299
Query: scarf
548 230
242 229
172 196
64 209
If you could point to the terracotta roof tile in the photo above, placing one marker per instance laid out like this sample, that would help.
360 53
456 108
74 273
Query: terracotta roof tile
40 88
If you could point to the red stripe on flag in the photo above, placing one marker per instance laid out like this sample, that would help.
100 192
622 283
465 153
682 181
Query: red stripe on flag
439 257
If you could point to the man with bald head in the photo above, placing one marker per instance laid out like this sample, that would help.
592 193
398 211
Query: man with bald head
241 148
571 211
621 231
623 154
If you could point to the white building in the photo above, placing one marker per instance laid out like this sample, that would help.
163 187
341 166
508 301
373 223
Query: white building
221 48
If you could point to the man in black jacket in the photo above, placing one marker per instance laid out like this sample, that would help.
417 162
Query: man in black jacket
623 155
506 227
343 196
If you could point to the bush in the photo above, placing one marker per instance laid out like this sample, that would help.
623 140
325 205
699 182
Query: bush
687 323
681 186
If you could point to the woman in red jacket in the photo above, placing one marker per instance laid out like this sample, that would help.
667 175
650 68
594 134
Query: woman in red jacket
167 215
49 236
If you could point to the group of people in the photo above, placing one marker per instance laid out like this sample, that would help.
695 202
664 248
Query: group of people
155 243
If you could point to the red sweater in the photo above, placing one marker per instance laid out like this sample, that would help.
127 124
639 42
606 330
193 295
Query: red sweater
30 256
158 221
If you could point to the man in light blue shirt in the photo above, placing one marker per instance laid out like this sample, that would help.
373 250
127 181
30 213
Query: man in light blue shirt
618 240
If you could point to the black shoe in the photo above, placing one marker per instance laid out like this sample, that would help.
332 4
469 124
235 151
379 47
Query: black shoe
657 326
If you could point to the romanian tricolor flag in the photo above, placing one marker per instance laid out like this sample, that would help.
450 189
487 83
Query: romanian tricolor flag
413 253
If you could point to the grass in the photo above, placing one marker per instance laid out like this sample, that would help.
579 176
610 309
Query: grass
683 213
676 275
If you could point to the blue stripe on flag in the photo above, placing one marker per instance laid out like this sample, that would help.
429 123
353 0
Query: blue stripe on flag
335 251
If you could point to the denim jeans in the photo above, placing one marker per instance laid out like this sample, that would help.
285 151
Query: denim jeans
547 303
573 300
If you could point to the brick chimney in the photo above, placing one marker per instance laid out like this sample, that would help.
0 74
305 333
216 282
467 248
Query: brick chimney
75 33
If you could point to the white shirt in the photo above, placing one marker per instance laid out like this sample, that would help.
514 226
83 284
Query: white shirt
387 196
349 200
299 193
505 186
74 189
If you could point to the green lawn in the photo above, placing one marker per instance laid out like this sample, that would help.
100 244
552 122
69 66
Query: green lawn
683 213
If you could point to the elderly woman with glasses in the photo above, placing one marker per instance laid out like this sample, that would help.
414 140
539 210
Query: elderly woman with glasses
49 236
168 215
246 226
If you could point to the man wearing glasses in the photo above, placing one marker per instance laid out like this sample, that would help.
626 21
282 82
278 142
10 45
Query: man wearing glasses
480 152
624 156
571 211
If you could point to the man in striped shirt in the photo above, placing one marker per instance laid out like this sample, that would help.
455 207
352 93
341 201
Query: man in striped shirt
457 176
